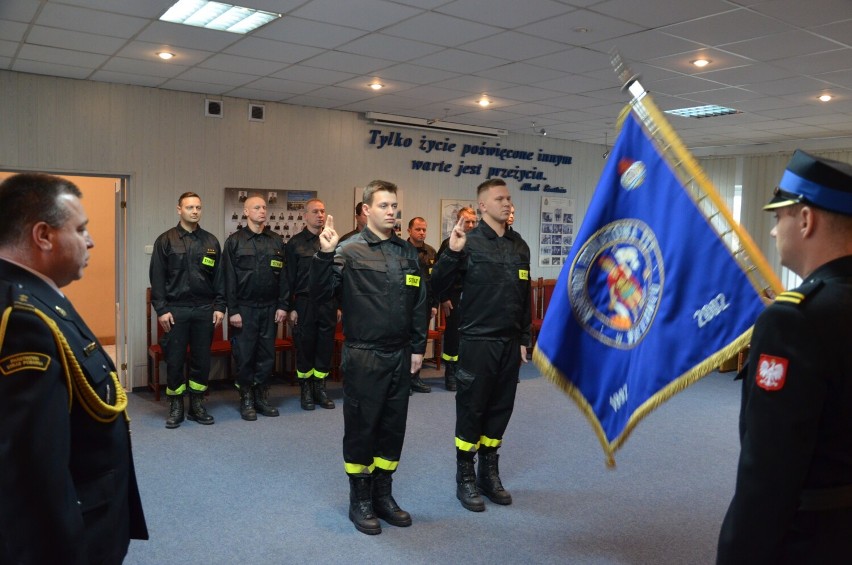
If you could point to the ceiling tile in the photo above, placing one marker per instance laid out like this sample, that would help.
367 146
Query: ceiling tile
213 76
440 29
307 32
501 12
347 62
369 15
513 45
153 68
520 73
61 56
146 9
459 61
582 27
415 73
804 14
187 36
148 52
728 27
12 31
779 45
232 63
89 21
75 40
658 13
395 48
127 78
271 50
282 86
302 73
193 86
52 69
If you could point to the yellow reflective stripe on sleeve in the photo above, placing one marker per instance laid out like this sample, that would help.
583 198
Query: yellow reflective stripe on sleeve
385 464
305 375
357 469
319 374
490 442
176 392
791 297
412 280
466 446
452 358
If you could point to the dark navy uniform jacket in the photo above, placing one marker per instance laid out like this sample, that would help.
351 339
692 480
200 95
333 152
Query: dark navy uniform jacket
795 420
68 491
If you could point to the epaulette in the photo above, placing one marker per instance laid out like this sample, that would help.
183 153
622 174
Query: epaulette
800 294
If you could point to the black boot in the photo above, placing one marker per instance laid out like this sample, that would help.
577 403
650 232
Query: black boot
417 384
450 375
384 505
466 490
261 401
320 396
247 411
307 398
197 412
175 412
361 505
488 480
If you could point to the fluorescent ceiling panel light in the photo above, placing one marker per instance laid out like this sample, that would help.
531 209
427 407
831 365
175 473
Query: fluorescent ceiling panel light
218 16
709 111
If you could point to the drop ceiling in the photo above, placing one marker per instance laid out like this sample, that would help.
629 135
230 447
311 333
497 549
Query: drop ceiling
541 62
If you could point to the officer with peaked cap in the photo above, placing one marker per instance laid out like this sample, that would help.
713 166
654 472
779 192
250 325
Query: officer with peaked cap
793 496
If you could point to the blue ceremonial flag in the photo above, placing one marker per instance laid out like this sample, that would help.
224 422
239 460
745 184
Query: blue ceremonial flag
650 300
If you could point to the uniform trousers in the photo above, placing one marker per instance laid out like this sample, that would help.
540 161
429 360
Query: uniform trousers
375 407
314 337
487 380
254 345
193 327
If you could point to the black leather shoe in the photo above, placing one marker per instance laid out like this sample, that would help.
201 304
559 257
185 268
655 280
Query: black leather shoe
417 384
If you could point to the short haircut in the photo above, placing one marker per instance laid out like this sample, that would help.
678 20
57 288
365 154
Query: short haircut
465 210
186 195
29 198
414 219
376 186
314 200
359 209
488 184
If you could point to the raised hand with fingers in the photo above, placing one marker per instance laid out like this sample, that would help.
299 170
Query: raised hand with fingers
458 237
328 237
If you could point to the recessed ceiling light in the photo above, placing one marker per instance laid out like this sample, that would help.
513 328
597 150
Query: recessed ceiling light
376 85
165 55
700 62
484 102
709 111
218 16
825 98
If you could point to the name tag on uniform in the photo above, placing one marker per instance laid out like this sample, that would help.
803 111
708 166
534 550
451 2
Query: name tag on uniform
208 261
412 280
276 264
523 275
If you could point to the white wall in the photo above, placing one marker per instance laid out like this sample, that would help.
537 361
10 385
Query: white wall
163 141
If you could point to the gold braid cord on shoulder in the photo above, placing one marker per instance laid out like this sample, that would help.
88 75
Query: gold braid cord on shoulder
76 380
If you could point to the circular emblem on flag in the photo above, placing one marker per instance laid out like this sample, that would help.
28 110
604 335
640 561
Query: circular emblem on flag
632 174
616 282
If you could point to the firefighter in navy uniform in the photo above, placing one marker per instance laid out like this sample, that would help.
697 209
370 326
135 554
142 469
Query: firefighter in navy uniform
376 277
188 294
426 258
494 330
257 293
68 491
313 321
793 498
449 305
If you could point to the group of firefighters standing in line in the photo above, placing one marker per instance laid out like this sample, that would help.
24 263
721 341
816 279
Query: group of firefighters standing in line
385 290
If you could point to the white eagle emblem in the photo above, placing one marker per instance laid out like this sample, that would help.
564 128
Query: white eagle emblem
771 372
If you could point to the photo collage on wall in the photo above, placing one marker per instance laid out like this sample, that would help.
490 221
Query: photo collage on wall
557 230
449 214
284 209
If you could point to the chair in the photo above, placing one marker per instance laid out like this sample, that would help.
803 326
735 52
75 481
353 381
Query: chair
537 317
155 352
221 346
436 336
547 286
284 344
337 352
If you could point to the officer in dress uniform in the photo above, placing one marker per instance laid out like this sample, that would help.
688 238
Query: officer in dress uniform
793 498
68 490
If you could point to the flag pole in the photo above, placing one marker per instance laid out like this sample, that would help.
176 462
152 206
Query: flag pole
686 167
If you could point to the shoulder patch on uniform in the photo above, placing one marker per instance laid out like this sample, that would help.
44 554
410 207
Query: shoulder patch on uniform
771 372
27 360
800 294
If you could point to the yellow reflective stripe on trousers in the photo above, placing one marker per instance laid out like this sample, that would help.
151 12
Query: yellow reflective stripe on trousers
453 358
489 442
357 469
177 392
385 464
197 387
305 375
465 446
319 375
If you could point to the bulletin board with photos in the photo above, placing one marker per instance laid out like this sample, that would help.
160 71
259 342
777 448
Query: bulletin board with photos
284 209
556 234
449 214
